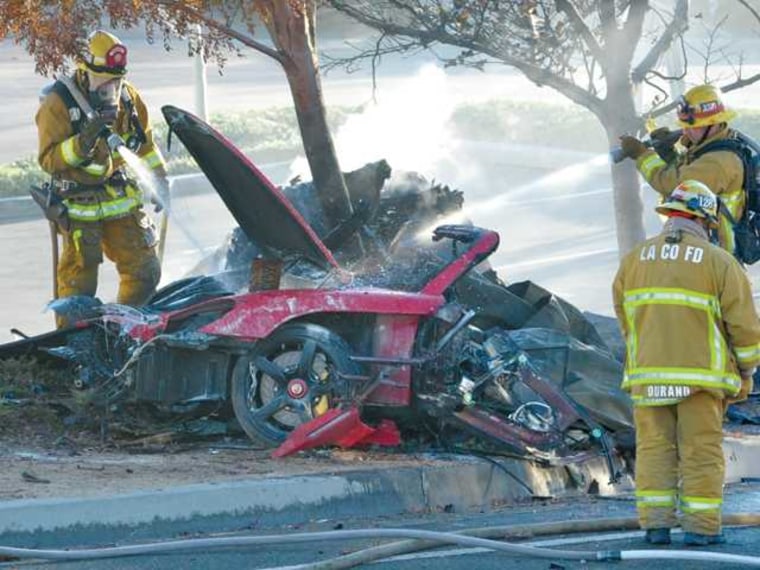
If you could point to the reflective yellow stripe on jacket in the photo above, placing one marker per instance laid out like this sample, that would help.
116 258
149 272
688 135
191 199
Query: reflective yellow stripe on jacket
650 164
72 158
716 377
734 202
747 356
153 159
69 153
117 208
95 169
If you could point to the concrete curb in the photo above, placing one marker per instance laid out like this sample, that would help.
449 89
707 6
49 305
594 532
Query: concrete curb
454 485
451 484
742 457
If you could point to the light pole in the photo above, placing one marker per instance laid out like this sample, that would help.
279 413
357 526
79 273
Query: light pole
199 67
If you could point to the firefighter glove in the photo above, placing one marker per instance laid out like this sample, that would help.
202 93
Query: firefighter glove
663 140
160 198
92 130
746 388
632 147
660 134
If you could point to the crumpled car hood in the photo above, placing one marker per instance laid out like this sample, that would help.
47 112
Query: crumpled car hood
263 212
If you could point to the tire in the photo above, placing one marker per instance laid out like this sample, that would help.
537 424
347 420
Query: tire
271 395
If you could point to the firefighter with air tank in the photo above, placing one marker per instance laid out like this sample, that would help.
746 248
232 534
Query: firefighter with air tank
99 206
692 345
704 119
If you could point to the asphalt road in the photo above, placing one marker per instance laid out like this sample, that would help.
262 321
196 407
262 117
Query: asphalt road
744 541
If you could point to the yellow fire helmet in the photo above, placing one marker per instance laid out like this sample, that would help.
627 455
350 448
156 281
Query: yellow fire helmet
692 197
106 56
702 106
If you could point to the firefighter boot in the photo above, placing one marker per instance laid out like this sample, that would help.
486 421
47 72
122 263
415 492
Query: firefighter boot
658 536
696 539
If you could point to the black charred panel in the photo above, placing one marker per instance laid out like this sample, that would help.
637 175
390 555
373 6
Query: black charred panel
262 211
173 375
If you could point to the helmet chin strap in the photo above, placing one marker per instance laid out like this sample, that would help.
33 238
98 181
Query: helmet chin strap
711 130
705 134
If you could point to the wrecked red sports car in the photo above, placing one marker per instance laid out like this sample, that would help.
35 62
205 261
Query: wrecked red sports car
422 339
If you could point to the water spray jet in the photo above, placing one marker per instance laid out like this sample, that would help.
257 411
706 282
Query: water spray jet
150 183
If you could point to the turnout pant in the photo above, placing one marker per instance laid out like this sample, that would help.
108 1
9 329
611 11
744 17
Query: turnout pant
129 242
680 442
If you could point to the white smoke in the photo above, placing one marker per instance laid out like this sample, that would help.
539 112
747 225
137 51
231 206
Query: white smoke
407 126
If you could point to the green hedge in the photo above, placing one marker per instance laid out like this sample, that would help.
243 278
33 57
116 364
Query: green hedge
271 134
553 125
530 123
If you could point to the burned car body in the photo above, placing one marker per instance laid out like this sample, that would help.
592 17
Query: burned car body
423 334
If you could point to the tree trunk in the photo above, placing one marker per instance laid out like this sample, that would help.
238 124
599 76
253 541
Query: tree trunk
620 117
318 145
629 207
293 31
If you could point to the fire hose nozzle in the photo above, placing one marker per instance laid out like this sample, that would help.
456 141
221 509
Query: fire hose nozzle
114 141
616 153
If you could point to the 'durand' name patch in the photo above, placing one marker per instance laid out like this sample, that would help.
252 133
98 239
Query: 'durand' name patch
668 392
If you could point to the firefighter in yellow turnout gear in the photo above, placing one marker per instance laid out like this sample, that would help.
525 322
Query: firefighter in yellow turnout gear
693 342
104 205
704 119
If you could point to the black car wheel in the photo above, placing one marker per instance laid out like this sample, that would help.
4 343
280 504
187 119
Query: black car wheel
288 379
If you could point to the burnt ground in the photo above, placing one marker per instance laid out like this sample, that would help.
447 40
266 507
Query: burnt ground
54 443
27 472
43 453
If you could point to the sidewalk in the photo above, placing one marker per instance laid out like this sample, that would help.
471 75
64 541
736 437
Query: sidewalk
295 490
377 487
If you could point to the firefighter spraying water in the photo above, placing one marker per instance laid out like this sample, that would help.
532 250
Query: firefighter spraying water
708 149
91 126
153 187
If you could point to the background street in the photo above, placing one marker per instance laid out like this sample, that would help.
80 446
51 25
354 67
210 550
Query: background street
742 498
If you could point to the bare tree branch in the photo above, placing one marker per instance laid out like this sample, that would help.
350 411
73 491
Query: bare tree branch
632 29
710 48
754 12
429 36
224 29
739 83
607 15
581 28
678 25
